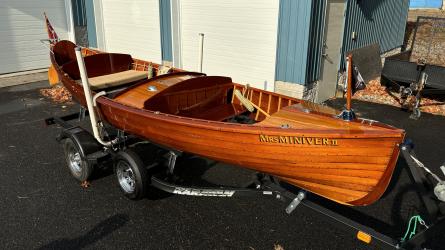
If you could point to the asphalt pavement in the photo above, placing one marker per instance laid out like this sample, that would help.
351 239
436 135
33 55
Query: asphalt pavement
43 207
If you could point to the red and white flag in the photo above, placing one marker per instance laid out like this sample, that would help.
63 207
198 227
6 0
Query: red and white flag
52 35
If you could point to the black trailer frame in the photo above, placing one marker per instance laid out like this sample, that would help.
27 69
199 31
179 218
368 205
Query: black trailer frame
268 186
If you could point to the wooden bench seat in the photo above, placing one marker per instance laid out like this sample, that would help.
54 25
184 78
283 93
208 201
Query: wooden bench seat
115 79
218 113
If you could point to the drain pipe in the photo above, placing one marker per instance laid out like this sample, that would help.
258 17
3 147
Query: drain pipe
89 98
201 51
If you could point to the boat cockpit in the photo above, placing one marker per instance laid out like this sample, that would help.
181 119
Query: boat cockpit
149 86
106 71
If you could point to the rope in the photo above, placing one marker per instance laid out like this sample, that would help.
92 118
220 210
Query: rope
47 44
413 221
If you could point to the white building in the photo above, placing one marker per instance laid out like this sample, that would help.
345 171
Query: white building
279 45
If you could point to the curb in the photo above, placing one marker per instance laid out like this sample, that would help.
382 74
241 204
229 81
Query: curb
8 81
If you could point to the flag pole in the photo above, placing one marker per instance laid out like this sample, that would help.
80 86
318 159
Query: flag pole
349 84
348 114
53 78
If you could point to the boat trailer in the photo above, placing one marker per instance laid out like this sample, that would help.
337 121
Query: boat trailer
415 72
93 154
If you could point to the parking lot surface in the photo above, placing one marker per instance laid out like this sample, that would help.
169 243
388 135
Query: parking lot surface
43 207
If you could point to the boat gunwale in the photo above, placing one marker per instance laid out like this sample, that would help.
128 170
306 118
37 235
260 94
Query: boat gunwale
386 131
251 128
359 121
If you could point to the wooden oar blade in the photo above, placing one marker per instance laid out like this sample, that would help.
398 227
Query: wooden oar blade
53 78
244 101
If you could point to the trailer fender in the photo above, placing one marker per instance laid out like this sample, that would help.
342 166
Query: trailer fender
84 140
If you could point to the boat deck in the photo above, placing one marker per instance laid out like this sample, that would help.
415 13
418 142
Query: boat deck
310 116
136 96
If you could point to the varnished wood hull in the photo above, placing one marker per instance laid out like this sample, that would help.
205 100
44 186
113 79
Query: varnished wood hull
355 172
345 164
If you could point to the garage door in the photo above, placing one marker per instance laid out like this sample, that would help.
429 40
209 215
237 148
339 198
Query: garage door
22 25
240 38
132 27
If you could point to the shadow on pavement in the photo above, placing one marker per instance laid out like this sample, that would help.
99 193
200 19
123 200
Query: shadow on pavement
101 230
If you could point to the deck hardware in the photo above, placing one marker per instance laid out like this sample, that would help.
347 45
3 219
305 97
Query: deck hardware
285 126
347 115
368 121
152 88
295 202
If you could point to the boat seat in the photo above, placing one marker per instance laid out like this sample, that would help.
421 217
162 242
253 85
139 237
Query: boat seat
115 79
219 113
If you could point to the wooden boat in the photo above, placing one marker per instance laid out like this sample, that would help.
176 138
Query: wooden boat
301 143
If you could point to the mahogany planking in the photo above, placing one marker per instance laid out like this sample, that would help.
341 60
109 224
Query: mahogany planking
241 146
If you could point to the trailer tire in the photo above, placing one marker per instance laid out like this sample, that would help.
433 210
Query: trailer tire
78 166
131 174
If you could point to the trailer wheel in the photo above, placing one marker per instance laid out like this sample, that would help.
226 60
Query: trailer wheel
79 168
131 174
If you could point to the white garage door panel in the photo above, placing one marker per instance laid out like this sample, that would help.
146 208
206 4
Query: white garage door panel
132 27
22 25
240 38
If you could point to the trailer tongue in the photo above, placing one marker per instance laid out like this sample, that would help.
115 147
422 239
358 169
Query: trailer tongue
419 71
